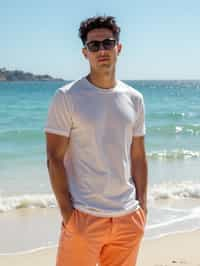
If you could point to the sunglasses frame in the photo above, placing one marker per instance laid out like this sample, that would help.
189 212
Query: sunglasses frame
101 43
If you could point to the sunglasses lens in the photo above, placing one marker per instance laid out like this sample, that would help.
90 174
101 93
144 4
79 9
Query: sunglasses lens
94 46
108 44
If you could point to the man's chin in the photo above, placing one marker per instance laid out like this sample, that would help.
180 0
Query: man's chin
104 65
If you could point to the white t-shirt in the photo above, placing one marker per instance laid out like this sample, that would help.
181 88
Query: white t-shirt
101 124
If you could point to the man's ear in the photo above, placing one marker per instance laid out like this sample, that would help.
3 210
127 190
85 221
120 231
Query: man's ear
84 52
119 48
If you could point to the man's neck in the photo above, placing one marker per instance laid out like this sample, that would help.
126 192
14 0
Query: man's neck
105 81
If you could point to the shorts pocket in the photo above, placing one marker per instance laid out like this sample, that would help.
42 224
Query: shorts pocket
143 215
70 224
138 218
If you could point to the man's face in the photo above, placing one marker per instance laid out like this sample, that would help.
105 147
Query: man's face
103 59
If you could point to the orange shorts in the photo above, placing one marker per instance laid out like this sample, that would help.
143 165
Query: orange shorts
87 240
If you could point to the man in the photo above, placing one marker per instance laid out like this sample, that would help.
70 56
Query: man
96 157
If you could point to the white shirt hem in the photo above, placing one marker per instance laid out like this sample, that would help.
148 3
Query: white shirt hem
107 214
56 131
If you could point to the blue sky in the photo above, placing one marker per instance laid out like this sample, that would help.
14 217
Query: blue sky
161 39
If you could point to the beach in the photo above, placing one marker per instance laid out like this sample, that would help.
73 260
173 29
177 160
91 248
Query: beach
177 249
30 238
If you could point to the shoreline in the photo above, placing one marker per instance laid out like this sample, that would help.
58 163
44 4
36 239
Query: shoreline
26 230
54 246
180 248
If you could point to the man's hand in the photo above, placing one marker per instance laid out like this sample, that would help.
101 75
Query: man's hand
144 207
67 214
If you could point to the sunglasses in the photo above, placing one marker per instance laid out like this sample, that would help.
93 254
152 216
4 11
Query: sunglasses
107 44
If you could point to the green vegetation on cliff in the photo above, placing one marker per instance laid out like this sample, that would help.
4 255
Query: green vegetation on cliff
15 75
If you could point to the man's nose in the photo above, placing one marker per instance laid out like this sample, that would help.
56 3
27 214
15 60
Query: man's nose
101 48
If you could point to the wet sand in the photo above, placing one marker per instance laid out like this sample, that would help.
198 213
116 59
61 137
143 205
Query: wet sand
178 249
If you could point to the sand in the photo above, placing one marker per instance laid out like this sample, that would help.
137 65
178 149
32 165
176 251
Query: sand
178 249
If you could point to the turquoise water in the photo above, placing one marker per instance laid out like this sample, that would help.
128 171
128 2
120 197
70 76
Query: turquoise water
172 120
172 143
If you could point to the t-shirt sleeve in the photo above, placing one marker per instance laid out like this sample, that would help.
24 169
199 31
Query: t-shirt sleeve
139 128
59 119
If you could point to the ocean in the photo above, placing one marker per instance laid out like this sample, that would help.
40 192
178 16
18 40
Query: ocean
29 218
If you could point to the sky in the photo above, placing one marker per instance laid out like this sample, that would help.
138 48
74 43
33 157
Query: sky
161 39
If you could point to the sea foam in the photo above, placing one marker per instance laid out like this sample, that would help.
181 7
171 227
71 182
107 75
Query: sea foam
175 191
156 192
174 154
27 201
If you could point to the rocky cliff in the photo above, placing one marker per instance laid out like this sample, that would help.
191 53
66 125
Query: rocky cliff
15 75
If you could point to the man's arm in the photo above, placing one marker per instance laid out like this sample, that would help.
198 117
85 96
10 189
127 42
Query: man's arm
56 147
139 170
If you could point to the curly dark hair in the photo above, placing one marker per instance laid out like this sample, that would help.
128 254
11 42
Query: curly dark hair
96 23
